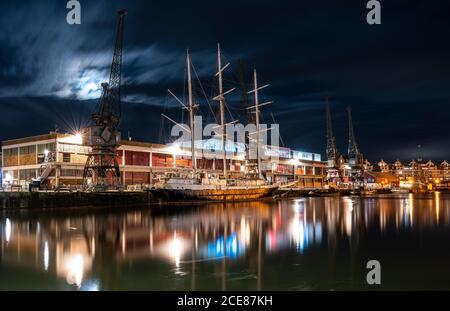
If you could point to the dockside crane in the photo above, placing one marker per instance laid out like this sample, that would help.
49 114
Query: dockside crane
333 174
355 158
101 171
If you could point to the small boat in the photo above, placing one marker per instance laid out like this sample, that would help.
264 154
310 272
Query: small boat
355 192
369 192
399 190
323 193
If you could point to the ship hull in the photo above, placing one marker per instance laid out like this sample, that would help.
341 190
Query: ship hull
224 194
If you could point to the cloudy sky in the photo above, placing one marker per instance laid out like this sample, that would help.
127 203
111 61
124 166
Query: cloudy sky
395 76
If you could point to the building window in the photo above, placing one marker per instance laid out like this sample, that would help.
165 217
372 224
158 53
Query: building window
27 174
10 152
71 173
66 157
137 158
43 148
28 149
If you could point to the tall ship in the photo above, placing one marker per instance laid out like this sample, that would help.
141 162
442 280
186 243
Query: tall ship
201 185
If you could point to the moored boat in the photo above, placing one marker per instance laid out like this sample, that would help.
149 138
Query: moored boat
324 192
200 186
369 192
183 189
399 190
355 192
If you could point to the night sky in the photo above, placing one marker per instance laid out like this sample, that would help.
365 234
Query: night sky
395 76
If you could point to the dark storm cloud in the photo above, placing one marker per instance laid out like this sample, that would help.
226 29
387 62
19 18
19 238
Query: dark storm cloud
395 76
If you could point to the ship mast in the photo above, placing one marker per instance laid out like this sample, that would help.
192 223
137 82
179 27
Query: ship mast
257 107
258 155
191 111
222 110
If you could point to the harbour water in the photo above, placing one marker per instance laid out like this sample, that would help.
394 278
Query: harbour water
320 243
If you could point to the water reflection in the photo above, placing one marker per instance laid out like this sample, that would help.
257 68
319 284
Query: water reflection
207 247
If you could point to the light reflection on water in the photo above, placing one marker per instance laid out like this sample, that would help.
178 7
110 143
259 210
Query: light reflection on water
306 243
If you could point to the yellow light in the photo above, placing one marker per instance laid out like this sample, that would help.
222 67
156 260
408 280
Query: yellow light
437 198
176 249
75 269
79 138
46 256
76 139
8 230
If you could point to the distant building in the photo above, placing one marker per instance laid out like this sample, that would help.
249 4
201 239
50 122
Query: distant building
417 174
383 166
367 165
380 180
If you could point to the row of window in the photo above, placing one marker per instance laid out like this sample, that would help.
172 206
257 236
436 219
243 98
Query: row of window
10 152
41 149
28 149
74 148
71 173
28 174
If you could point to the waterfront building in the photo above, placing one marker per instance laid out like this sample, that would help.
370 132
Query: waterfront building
419 174
380 180
383 166
367 165
60 158
398 166
425 175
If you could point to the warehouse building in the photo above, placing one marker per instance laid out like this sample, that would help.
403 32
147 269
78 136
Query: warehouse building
60 159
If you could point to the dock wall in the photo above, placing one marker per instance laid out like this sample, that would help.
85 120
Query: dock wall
58 200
